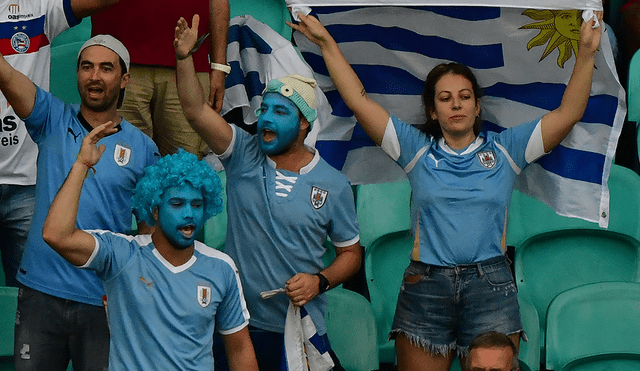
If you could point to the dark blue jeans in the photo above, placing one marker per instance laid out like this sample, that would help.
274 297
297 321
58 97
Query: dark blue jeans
16 209
50 331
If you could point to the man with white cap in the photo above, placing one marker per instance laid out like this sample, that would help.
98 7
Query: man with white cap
284 201
27 29
60 313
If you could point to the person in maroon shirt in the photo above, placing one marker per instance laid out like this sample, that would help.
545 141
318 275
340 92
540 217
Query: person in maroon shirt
151 102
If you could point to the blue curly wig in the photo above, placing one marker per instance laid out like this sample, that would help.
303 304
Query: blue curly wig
174 171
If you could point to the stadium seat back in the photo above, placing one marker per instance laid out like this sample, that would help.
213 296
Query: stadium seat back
385 262
272 12
352 330
8 306
551 263
382 208
594 325
64 79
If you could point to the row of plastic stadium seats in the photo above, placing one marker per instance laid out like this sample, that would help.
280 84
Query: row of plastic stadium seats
552 254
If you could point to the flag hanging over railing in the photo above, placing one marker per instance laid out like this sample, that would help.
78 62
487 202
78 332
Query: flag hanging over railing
522 57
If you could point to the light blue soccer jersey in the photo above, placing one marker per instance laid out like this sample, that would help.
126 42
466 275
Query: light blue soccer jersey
277 224
105 199
163 317
460 199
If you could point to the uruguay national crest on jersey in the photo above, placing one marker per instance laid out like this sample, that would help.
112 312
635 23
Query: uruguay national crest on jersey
204 295
122 154
318 197
487 159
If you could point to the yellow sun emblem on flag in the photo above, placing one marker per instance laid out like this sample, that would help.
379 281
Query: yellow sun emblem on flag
560 28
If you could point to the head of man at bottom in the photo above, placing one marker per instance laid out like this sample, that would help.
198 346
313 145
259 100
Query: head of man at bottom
492 351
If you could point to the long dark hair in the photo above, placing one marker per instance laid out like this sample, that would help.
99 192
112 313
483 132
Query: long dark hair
432 127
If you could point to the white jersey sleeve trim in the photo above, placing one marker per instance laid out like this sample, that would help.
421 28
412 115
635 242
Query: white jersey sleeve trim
227 152
96 247
234 330
390 143
535 147
415 159
347 243
515 167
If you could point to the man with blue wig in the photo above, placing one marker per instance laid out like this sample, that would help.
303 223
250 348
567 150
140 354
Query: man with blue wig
284 201
167 292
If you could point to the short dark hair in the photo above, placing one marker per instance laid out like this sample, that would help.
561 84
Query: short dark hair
123 70
493 339
432 127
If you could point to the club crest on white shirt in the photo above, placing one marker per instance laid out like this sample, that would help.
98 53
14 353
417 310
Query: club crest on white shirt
204 295
122 154
20 42
487 159
318 197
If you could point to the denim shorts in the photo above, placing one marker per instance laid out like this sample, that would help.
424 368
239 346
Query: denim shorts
442 309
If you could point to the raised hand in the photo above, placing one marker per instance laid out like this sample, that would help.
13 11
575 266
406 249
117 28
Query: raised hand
589 36
185 37
90 152
312 29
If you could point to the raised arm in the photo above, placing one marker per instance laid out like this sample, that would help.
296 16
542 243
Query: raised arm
219 29
17 88
559 122
211 127
369 114
59 230
84 8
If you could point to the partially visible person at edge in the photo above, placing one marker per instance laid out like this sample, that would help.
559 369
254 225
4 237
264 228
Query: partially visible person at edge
493 351
461 180
151 104
60 313
167 293
28 27
283 202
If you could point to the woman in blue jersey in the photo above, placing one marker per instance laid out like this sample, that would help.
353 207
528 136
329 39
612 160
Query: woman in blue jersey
458 284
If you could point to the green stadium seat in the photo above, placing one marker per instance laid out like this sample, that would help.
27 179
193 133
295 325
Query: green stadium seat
79 33
633 89
214 231
553 262
595 327
385 262
272 12
352 330
8 306
529 353
529 217
64 80
382 208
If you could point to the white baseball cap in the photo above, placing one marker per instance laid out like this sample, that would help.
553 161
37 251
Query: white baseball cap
109 42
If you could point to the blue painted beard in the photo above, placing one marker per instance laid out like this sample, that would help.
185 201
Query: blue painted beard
278 124
181 215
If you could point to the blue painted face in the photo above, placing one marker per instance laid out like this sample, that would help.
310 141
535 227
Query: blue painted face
181 215
278 124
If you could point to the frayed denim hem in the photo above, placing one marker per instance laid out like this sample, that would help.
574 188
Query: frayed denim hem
434 349
444 350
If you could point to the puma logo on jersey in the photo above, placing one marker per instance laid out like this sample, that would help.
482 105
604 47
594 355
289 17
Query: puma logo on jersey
75 136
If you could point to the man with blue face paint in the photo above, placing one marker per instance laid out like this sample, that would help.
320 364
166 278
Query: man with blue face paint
167 292
284 201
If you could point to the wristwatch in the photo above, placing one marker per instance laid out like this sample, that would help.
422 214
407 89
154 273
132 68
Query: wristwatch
323 285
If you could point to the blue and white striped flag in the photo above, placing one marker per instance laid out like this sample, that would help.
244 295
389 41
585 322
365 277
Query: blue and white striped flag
304 348
523 58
